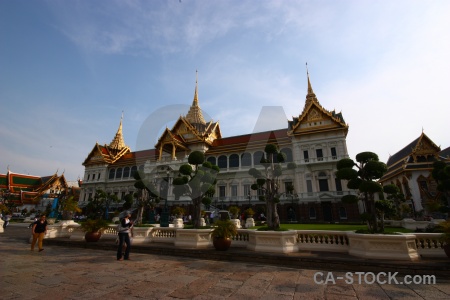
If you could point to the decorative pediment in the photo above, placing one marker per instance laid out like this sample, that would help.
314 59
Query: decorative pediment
315 118
98 154
424 148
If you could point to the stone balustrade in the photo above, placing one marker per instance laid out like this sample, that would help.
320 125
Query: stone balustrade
409 246
321 240
429 244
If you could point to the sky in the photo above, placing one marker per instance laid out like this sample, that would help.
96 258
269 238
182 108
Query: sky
70 69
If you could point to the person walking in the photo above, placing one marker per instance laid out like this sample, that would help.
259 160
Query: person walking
39 230
124 237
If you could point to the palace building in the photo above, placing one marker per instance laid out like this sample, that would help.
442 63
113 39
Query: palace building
315 141
34 192
410 170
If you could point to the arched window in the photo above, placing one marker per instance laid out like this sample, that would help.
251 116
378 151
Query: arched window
126 172
288 153
246 160
222 162
234 161
119 173
257 158
141 169
133 171
212 160
112 172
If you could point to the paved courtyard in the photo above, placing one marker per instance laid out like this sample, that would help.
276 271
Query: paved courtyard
61 272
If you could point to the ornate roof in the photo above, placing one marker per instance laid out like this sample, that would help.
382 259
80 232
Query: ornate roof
194 115
28 189
118 142
314 118
188 130
420 154
108 153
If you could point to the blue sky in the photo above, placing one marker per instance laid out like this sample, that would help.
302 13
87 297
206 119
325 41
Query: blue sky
69 68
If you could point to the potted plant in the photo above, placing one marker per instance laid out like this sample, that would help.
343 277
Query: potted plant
178 212
234 211
249 212
222 233
93 229
444 227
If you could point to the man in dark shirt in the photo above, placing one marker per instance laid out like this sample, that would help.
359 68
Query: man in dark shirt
39 231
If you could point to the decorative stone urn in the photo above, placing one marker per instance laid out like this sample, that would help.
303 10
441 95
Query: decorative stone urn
250 222
178 223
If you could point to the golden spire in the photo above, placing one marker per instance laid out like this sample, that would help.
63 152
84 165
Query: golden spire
310 96
195 116
118 142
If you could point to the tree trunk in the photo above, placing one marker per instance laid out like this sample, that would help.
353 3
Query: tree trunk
197 210
139 215
273 220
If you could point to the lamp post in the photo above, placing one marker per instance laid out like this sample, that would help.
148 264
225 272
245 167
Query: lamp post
165 213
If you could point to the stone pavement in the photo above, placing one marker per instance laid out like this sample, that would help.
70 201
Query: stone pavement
65 272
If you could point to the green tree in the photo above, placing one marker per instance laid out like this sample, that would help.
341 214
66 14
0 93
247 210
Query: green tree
395 195
197 180
267 183
362 176
146 196
100 204
68 206
441 173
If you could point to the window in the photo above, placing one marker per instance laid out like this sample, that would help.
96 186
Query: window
323 182
319 154
234 190
338 185
309 186
98 177
133 171
88 177
126 172
222 162
312 213
288 153
342 213
234 161
123 196
323 185
112 172
306 155
247 190
119 173
257 158
212 160
333 153
246 160
423 185
222 191
288 187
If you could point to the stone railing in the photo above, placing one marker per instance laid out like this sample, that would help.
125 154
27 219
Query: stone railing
429 244
321 240
409 246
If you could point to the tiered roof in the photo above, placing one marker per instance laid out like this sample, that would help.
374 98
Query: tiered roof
28 189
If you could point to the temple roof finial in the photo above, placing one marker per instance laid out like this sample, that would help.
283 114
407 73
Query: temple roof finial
310 90
118 142
195 116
